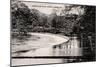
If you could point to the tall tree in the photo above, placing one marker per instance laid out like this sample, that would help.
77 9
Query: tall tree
20 13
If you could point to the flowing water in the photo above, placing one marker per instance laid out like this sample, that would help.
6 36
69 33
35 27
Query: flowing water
52 49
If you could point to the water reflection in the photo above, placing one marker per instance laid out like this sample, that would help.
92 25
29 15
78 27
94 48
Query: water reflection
68 48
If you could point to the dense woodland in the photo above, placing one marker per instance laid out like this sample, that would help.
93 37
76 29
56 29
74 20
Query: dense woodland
24 20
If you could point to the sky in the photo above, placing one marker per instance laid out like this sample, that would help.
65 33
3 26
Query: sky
45 7
49 8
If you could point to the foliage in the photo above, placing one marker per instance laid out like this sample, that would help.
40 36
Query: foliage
87 22
26 20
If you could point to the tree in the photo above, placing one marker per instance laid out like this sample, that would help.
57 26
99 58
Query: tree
87 22
20 14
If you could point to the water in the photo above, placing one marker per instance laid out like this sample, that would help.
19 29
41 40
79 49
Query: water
45 46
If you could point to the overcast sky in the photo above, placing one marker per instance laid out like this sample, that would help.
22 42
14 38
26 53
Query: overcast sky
49 8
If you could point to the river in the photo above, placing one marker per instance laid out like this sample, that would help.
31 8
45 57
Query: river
51 48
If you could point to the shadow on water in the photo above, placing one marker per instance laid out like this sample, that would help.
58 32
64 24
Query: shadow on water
67 52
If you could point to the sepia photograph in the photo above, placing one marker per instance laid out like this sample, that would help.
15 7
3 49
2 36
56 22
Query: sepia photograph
51 33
